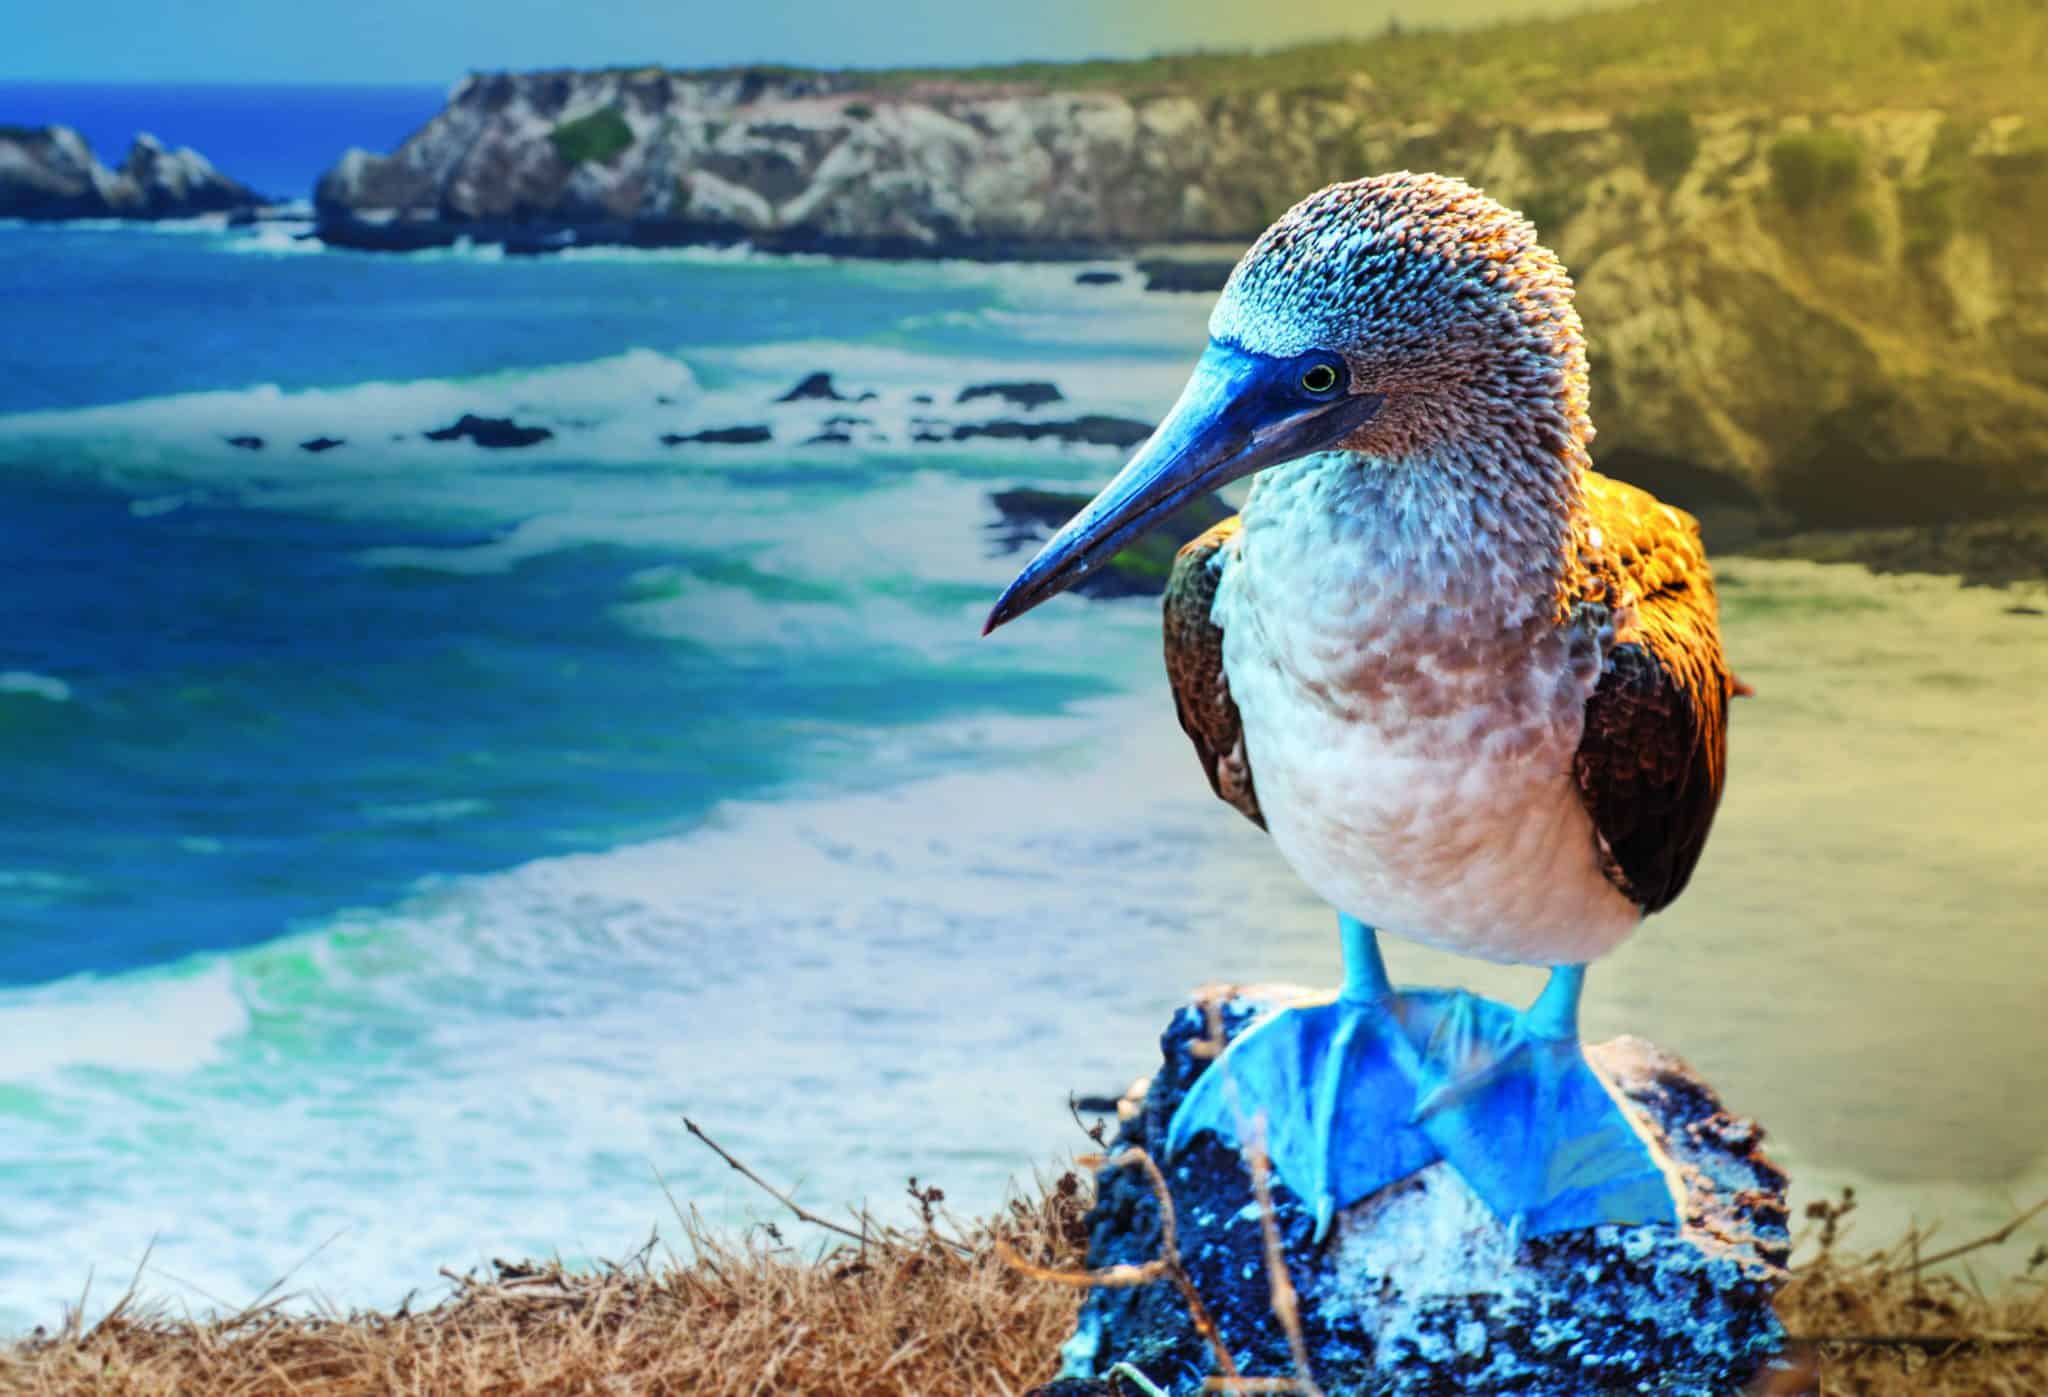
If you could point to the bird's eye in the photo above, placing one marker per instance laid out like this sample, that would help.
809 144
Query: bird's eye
1320 378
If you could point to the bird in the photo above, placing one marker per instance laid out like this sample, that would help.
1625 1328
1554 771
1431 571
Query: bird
1472 688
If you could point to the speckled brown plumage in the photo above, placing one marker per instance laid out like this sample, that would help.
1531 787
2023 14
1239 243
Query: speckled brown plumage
1194 667
1651 764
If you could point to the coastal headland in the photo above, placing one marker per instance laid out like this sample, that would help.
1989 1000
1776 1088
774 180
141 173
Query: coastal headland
1805 267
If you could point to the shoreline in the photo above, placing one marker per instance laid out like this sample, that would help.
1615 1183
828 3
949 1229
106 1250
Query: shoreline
2004 548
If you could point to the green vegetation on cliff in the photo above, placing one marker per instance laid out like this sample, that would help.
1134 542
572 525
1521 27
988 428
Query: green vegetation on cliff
598 136
1814 167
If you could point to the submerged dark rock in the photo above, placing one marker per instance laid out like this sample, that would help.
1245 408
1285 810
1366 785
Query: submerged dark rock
245 443
721 436
1185 274
1027 517
1021 394
1090 430
1097 278
1983 553
495 432
1419 1289
814 387
320 444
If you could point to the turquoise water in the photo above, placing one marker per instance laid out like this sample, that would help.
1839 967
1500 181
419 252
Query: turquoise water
401 838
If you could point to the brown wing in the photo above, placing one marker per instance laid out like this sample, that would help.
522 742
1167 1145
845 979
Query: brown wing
1652 761
1194 666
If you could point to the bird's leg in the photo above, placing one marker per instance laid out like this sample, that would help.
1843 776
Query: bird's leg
1555 1014
1366 988
1365 970
1335 1082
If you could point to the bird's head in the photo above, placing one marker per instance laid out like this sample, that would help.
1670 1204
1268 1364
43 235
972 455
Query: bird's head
1408 318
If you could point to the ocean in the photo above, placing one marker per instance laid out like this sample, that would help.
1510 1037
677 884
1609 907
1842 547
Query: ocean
402 838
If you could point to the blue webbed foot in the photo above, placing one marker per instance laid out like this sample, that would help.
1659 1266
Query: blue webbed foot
1335 1085
1511 1103
1366 1090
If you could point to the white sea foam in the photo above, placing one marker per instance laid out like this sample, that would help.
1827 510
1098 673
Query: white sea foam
47 687
427 812
380 422
158 1022
275 239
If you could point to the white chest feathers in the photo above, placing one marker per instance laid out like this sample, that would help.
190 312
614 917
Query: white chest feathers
1411 711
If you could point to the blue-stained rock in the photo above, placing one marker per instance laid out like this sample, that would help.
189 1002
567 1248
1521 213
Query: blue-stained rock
1419 1289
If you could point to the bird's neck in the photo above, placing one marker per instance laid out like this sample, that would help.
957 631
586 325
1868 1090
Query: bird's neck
1478 525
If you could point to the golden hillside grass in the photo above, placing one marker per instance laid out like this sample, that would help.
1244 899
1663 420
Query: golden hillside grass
933 1311
1969 56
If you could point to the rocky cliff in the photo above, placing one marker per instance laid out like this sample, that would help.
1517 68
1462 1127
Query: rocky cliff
1840 318
50 172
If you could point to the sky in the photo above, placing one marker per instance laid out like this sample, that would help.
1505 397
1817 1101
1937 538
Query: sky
430 41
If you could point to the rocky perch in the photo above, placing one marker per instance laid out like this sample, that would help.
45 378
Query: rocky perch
49 172
1419 1289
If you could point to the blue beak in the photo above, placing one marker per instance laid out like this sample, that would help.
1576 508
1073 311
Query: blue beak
1240 413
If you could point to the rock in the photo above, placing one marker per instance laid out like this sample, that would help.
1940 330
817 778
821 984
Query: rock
245 443
829 438
1097 278
179 183
1091 430
1985 552
1177 274
1419 1288
814 386
722 436
49 172
923 399
495 432
320 444
1021 394
1027 517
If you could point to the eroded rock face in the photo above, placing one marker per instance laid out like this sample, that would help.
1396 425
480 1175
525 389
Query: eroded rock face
1875 357
1419 1289
49 172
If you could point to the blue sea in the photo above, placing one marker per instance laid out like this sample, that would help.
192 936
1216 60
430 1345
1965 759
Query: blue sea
401 838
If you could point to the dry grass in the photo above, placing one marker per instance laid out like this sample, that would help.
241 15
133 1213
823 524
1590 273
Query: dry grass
943 1308
1887 1325
918 1312
1980 57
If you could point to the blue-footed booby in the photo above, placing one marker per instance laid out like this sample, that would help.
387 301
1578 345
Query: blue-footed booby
1473 689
